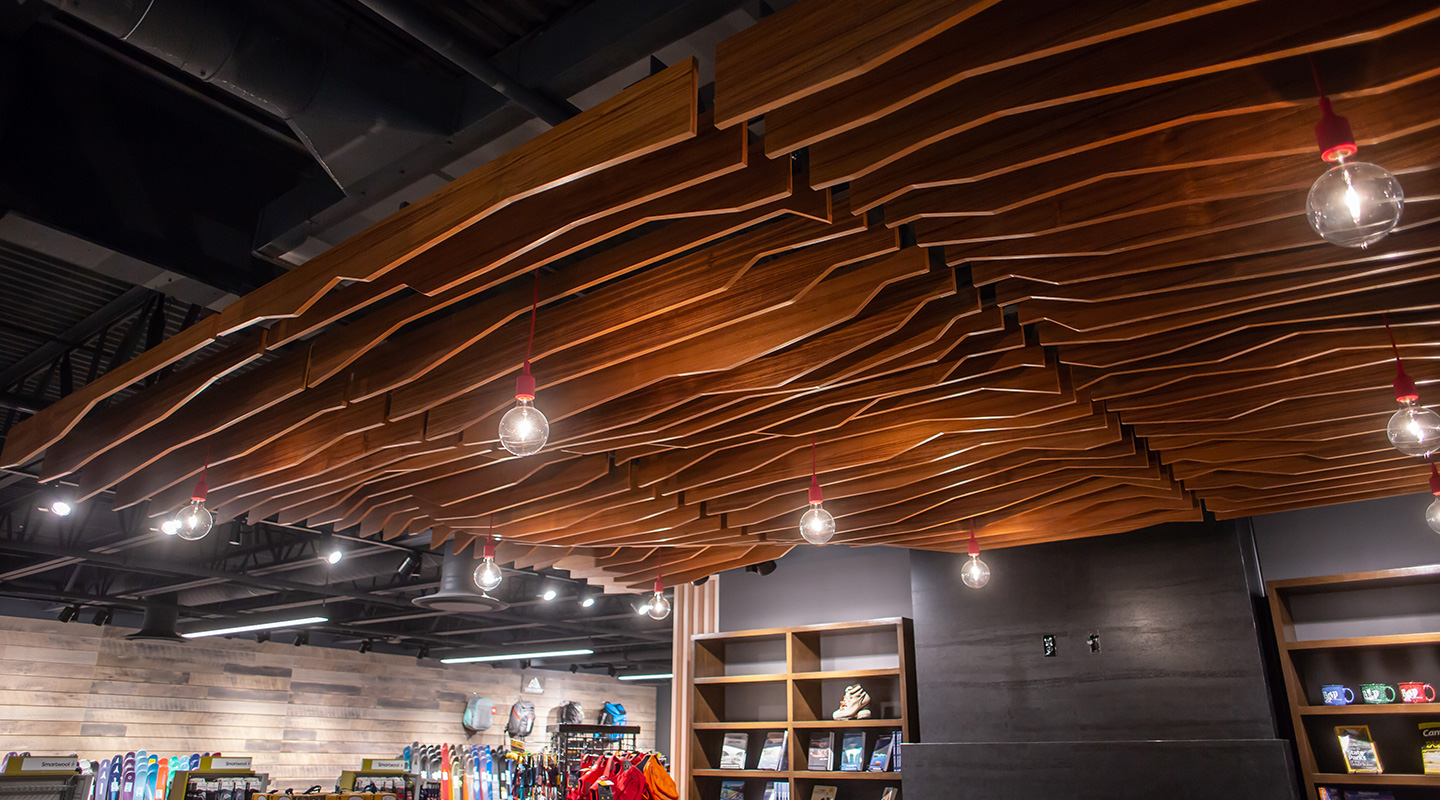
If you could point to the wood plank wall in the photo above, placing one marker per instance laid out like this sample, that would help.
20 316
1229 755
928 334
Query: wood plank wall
304 713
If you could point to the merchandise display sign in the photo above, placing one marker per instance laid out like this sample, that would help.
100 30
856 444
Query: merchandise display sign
42 765
382 765
224 763
533 686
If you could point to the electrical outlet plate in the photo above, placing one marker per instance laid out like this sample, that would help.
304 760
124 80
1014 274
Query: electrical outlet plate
1049 641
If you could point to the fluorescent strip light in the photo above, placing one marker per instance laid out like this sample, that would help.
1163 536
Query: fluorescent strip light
659 676
258 626
517 656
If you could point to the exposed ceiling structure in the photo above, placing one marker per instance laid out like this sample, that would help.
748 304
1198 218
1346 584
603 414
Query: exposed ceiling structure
1041 270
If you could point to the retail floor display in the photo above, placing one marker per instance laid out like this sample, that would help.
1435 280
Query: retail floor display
768 700
1355 651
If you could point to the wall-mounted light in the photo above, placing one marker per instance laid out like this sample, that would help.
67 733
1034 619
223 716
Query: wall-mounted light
103 617
69 613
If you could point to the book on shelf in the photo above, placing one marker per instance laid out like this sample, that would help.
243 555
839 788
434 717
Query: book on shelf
890 793
732 790
1358 748
1367 794
772 753
822 793
880 756
895 754
852 751
822 752
733 749
1430 747
777 790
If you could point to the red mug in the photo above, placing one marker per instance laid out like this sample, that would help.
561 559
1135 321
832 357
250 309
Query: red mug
1416 692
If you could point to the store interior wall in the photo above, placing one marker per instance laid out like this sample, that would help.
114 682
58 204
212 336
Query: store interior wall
304 713
818 585
1389 533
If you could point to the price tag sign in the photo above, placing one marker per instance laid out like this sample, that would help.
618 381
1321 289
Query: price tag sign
42 765
382 765
225 764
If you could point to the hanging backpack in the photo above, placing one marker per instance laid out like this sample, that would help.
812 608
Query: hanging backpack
571 713
479 714
612 714
522 719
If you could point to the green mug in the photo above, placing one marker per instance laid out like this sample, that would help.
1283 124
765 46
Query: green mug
1375 693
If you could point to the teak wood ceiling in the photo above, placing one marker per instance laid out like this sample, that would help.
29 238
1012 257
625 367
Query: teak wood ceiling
1043 266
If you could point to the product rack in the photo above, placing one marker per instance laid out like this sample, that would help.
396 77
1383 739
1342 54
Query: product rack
44 787
791 679
571 743
1391 657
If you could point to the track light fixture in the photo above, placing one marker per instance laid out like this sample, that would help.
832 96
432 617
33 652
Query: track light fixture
549 594
102 617
700 581
410 567
331 552
69 613
423 653
612 671
523 429
60 507
302 638
262 636
763 568
574 669
365 645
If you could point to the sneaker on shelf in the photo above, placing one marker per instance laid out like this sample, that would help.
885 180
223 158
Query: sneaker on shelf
852 704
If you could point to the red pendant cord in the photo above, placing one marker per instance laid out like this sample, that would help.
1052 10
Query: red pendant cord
974 548
525 384
659 572
201 487
1405 391
815 496
490 540
1434 479
1333 133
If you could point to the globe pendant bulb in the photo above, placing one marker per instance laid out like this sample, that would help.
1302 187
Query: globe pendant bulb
523 429
975 573
817 526
1414 430
193 521
1432 515
488 575
658 607
1355 204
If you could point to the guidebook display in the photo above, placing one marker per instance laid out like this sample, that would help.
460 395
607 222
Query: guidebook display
732 790
822 793
1358 747
772 753
822 752
880 757
733 750
1430 747
852 751
777 790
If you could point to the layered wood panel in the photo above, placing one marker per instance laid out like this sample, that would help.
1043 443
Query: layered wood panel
1043 270
78 688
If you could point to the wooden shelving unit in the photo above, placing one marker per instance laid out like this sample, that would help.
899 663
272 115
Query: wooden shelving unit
791 679
1306 664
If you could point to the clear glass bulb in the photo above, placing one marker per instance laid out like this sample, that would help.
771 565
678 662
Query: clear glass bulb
523 429
975 573
658 607
817 525
1432 515
1414 430
1355 204
488 575
193 521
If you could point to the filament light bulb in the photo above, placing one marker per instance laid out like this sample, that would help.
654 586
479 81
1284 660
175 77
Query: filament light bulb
817 526
1355 204
975 573
1432 515
658 607
194 520
488 575
1414 430
523 429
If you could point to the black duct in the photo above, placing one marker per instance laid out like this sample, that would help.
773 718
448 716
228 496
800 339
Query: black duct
352 109
159 623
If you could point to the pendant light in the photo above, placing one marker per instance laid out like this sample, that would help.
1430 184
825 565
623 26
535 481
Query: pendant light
193 521
1355 203
488 575
1432 514
817 526
523 429
658 607
1414 429
975 573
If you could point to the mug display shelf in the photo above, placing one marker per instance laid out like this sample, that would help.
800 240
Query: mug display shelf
792 678
1304 662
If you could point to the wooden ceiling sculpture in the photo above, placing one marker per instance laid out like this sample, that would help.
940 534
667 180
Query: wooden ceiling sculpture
1041 266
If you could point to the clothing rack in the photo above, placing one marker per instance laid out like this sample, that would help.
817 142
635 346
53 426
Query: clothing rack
572 742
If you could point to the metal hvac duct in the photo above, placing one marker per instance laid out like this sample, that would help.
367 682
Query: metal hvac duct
312 76
159 622
458 592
